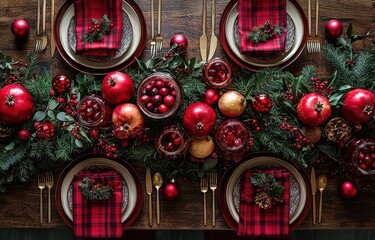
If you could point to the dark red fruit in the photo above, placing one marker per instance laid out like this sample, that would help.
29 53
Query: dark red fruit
61 83
261 103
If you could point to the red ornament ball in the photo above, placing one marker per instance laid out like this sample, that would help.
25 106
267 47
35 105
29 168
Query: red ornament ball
211 97
20 28
60 83
333 29
23 134
347 189
181 41
171 190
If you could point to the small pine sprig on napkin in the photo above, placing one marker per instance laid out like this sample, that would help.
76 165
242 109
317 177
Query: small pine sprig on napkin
93 190
97 30
265 32
269 191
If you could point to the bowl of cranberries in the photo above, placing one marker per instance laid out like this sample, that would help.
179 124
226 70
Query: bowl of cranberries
233 138
171 142
159 95
217 73
93 111
360 156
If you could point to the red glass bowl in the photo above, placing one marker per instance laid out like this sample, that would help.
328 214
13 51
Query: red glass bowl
171 142
217 73
360 156
93 111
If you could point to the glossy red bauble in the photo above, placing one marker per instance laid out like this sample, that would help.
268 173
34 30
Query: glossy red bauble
262 103
44 130
60 83
313 109
347 190
199 119
16 104
358 106
232 104
20 28
211 97
171 190
128 120
333 29
181 41
117 87
23 134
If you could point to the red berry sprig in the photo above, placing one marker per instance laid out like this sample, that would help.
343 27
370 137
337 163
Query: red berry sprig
299 140
321 87
288 95
103 147
97 30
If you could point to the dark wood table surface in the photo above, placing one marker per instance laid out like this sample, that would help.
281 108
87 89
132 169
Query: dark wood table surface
19 205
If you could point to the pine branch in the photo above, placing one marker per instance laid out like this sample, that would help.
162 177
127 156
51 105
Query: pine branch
9 158
32 64
88 84
43 149
25 169
39 88
364 70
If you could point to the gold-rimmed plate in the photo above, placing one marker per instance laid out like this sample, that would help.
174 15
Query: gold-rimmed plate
296 38
135 28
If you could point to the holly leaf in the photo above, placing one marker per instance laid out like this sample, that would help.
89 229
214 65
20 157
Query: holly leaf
209 163
335 99
142 66
39 116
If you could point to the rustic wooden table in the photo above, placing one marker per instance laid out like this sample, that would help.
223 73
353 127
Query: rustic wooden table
19 205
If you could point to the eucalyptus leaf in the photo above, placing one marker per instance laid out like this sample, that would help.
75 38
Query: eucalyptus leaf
78 143
61 116
70 118
70 127
51 115
53 104
39 116
10 146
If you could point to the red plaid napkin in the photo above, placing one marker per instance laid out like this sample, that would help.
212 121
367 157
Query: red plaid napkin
255 13
257 222
98 218
84 11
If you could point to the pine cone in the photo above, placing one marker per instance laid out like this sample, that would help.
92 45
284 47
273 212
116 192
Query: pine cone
338 130
6 131
263 200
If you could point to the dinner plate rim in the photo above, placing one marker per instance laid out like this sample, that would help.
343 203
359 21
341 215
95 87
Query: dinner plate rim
227 174
101 71
138 204
249 66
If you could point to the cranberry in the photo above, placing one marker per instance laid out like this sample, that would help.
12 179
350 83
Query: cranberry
171 142
164 91
93 111
169 100
162 108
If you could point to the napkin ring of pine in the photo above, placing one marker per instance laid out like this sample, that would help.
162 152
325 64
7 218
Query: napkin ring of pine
265 32
97 30
268 191
94 190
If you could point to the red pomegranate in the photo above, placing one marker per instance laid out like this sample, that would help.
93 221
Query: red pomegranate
128 120
16 104
199 119
117 87
358 106
313 109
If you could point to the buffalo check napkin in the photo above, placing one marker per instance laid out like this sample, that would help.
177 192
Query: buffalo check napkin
85 11
255 13
98 218
263 223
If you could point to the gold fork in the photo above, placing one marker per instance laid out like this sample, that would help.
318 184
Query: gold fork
41 40
313 43
204 189
213 186
41 185
159 38
153 41
49 184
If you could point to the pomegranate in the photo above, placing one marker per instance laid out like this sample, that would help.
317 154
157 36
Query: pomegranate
16 104
358 106
313 109
199 119
117 87
262 103
232 104
60 83
201 147
128 120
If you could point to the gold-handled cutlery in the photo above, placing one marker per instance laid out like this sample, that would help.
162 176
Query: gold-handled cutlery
49 185
159 38
322 184
213 186
204 189
157 181
313 191
41 186
153 41
149 192
203 38
313 43
213 41
53 43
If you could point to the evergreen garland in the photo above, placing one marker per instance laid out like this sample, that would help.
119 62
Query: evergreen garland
20 160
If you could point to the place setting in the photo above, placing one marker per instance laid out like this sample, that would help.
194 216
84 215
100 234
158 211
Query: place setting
114 44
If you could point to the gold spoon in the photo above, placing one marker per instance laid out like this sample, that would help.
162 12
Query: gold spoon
157 181
322 184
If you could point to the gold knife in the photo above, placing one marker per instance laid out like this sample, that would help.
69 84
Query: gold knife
149 192
203 38
213 42
53 44
313 191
